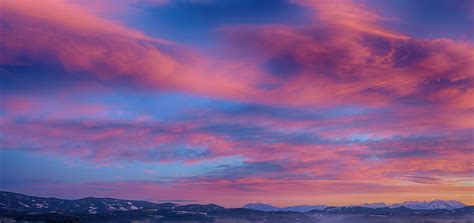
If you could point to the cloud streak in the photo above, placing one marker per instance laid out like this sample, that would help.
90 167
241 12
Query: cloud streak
342 102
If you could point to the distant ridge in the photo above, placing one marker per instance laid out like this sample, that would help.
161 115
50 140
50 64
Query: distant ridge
19 207
10 198
415 205
297 208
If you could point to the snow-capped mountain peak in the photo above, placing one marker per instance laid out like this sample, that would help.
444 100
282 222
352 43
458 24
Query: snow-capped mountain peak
375 205
431 205
261 207
415 205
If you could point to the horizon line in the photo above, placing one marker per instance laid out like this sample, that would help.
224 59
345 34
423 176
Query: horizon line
206 203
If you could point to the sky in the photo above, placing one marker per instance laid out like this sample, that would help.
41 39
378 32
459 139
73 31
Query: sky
235 101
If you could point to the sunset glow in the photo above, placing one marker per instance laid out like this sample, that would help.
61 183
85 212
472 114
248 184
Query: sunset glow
219 101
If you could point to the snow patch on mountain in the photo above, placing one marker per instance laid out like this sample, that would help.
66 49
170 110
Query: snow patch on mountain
92 209
41 206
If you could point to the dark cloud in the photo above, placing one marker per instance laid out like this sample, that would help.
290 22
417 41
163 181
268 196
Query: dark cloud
247 169
263 135
283 66
395 154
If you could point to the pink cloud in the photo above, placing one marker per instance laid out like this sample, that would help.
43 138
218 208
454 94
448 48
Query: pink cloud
418 93
110 51
18 105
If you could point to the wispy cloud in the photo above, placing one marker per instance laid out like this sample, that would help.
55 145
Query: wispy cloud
342 104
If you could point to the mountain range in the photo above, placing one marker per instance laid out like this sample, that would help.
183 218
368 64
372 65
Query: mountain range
415 205
20 207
